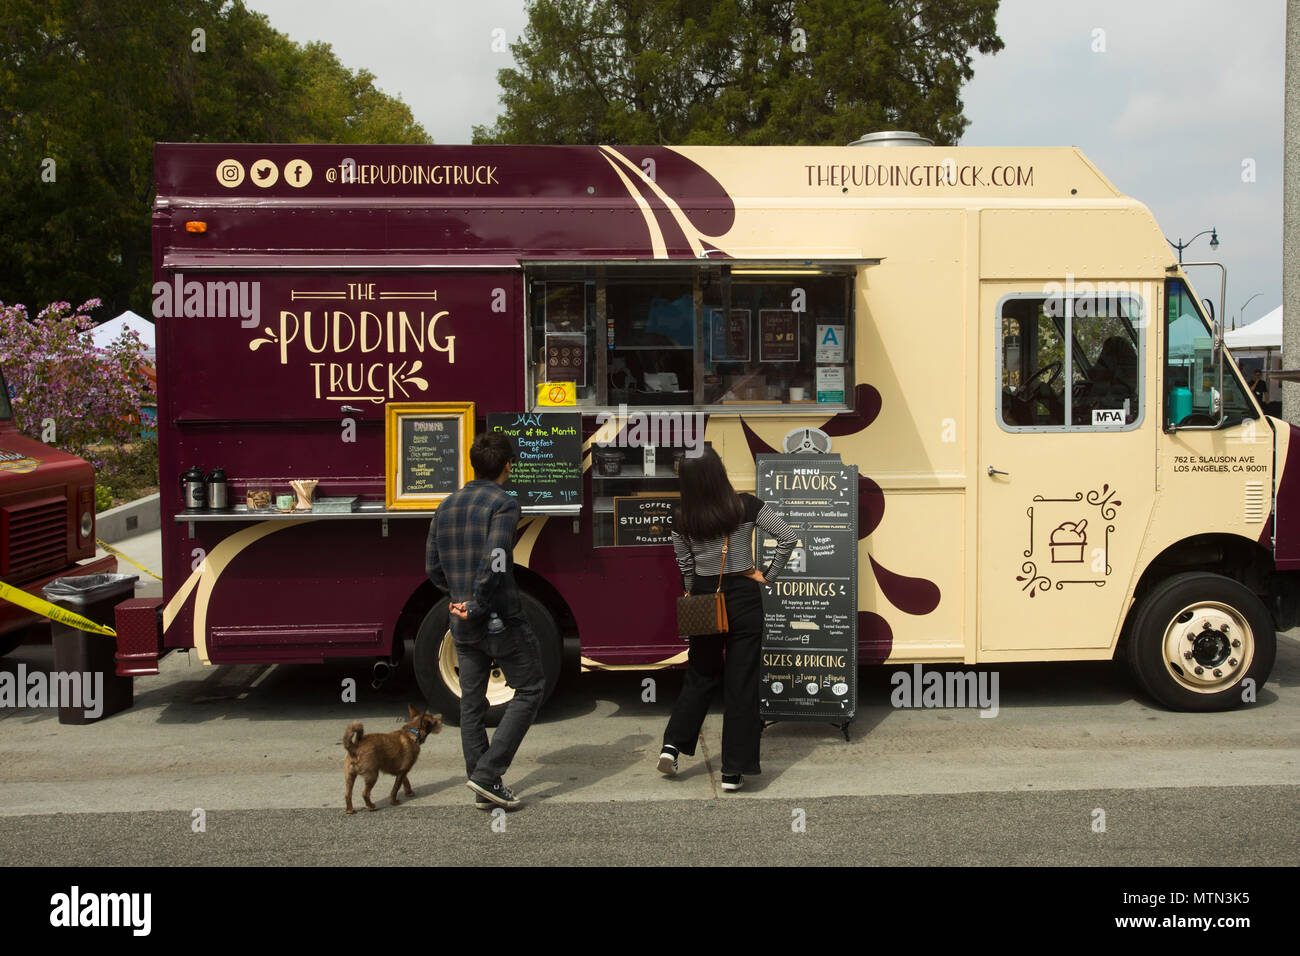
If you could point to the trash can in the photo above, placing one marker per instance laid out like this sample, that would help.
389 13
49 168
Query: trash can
78 653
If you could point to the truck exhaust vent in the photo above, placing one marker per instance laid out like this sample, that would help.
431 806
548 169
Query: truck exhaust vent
1255 502
38 537
892 138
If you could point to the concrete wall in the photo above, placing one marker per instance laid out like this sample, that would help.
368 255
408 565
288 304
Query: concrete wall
1291 214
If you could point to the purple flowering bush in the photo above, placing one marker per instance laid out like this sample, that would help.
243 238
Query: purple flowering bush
92 395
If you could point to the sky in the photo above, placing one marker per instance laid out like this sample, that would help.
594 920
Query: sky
1178 102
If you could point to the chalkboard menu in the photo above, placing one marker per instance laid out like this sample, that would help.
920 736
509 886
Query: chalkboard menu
644 520
809 664
426 452
547 470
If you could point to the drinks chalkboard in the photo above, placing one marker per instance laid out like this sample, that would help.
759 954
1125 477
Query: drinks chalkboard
547 470
809 663
426 452
430 456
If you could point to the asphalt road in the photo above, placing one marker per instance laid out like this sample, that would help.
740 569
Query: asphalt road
257 750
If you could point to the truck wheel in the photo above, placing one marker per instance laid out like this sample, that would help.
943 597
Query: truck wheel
1197 637
438 674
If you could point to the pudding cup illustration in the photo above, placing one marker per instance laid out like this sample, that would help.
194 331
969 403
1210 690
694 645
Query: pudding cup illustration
1068 541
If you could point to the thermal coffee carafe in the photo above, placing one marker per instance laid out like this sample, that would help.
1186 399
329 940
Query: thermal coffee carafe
218 490
193 490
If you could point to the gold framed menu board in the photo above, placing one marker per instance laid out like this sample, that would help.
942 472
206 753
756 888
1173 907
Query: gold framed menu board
426 452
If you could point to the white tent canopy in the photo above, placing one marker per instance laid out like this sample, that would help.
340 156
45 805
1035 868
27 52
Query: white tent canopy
1265 333
111 330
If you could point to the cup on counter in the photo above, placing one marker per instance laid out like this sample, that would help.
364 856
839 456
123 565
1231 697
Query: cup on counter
284 502
796 393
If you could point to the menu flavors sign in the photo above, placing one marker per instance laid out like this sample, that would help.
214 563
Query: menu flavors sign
809 664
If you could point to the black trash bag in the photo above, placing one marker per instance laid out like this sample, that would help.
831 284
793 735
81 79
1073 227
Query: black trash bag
89 588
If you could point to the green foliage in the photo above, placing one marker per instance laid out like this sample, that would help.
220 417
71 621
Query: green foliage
103 497
129 471
93 84
755 72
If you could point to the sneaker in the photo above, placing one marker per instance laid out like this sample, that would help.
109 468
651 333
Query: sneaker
732 781
498 793
482 803
668 761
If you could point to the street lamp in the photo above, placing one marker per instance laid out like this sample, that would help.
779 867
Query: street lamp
1242 310
1180 245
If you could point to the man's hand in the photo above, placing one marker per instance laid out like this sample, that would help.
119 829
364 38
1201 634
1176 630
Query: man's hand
459 610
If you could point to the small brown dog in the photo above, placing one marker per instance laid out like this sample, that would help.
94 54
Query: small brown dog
394 753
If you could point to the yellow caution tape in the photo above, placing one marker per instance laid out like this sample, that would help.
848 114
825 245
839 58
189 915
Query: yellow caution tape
118 554
55 613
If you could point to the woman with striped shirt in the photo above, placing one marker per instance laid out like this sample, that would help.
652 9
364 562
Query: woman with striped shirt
709 512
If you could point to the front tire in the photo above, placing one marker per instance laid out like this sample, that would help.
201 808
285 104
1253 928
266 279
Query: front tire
1197 638
437 672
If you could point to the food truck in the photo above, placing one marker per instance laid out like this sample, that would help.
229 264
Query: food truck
1057 459
47 521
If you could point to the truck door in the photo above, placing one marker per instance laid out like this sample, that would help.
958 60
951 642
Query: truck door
1066 460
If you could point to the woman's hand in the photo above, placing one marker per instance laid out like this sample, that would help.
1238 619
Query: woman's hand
756 575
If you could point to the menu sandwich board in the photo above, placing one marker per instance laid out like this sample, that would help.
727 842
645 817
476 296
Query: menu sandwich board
809 664
426 452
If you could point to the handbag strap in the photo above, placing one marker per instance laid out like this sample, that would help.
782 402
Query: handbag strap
724 562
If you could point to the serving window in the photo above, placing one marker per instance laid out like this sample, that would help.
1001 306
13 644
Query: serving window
693 334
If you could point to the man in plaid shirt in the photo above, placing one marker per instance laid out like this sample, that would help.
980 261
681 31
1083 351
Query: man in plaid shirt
469 556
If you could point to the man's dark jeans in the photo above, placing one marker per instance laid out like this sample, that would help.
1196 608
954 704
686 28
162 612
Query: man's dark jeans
519 656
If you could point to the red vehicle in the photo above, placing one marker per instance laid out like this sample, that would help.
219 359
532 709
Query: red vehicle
47 521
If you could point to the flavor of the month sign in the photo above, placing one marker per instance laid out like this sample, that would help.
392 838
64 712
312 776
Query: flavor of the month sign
548 456
809 665
644 520
426 452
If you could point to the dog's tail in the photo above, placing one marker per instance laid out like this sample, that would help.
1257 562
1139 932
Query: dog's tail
352 736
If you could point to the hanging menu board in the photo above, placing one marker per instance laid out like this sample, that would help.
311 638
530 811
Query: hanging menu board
426 450
809 664
547 470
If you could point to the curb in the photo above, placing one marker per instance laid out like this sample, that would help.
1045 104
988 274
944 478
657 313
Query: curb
129 520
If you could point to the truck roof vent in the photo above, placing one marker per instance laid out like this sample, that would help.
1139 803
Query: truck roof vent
892 138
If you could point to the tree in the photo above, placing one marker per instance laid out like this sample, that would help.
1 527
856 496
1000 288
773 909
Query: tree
756 72
90 396
88 86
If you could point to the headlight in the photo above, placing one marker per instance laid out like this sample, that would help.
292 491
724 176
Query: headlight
87 524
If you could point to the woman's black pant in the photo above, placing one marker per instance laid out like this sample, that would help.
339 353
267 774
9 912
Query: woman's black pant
737 672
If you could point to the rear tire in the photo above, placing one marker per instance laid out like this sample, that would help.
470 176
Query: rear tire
1196 638
438 675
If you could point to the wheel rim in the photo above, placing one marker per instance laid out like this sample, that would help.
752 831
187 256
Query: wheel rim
498 691
1208 646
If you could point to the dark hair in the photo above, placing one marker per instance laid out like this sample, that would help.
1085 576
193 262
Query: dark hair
489 454
709 507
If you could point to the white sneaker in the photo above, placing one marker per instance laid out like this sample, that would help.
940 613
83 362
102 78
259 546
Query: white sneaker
668 761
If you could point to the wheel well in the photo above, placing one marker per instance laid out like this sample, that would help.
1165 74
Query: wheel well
1230 555
426 596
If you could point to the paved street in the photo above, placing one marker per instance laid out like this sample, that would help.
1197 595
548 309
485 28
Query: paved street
257 749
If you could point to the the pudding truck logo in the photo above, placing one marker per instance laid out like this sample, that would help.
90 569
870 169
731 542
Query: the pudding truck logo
363 354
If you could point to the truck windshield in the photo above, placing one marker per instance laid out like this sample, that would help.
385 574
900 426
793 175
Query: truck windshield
1190 371
6 412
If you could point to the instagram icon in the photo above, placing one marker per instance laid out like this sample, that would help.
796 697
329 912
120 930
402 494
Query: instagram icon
230 173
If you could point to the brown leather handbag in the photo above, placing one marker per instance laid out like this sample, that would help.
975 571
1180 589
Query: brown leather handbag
702 614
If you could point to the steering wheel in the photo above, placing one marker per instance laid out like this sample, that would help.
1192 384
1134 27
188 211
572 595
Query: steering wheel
1024 391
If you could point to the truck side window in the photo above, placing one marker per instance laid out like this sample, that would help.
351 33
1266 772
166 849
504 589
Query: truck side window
1190 373
1096 384
564 335
1033 356
1106 374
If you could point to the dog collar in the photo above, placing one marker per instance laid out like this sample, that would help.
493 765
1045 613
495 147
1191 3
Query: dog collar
418 736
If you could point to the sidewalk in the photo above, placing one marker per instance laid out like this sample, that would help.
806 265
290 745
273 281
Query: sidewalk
144 549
